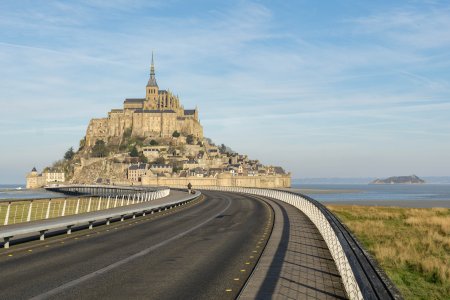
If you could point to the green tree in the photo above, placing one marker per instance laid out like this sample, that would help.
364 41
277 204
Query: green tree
176 134
153 143
143 158
160 161
99 149
190 139
134 152
69 154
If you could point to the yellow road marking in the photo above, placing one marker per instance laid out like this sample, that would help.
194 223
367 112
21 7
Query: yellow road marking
236 279
228 290
10 255
30 250
243 270
247 263
252 256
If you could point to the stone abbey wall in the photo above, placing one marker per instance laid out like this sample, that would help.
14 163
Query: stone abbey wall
225 179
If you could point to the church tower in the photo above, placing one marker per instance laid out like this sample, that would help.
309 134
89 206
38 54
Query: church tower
152 88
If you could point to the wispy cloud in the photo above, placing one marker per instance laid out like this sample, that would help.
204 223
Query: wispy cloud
380 74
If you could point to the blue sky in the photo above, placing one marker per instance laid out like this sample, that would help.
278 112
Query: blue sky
323 88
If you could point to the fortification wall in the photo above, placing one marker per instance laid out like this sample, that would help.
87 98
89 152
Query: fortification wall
274 181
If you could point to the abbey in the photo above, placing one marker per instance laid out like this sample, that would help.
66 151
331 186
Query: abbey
159 114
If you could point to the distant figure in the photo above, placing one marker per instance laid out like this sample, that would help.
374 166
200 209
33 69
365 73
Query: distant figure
189 187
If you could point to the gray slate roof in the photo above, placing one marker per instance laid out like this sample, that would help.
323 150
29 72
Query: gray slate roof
134 100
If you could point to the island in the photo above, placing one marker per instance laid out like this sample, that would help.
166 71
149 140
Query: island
155 141
412 179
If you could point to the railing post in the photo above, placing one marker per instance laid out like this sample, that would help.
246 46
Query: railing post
99 203
78 206
7 213
64 208
89 204
47 215
115 202
107 203
29 211
123 199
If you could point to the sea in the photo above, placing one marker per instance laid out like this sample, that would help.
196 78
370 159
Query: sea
18 191
321 192
375 192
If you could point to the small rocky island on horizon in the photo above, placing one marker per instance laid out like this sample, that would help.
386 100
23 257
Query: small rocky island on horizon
412 179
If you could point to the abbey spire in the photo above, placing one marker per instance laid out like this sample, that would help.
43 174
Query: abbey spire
152 80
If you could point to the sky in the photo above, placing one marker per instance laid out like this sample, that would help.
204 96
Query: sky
322 88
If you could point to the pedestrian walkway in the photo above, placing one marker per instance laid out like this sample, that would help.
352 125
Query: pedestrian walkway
296 263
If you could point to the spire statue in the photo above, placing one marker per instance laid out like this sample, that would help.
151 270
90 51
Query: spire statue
152 80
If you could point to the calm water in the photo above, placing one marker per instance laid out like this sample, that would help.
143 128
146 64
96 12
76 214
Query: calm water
344 192
361 192
18 191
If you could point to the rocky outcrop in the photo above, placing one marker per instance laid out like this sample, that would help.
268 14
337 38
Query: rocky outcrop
413 179
100 169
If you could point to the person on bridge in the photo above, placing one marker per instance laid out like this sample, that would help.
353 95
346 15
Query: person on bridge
189 186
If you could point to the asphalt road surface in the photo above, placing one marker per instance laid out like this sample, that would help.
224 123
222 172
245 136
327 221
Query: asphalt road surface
205 250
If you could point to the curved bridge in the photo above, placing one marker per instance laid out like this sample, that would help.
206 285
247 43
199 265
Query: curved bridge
228 243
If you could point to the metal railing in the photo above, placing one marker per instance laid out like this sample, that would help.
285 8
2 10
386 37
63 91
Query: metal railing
42 226
361 276
18 211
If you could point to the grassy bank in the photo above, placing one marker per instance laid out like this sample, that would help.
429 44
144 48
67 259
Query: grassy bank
411 244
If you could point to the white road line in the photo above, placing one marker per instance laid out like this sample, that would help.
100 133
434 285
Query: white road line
82 279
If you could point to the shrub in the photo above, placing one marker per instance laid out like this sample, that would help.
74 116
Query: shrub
69 154
100 149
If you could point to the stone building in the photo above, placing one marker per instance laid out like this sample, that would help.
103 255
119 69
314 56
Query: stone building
159 114
136 171
35 180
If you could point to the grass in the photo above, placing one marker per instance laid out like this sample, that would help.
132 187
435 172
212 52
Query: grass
19 209
411 244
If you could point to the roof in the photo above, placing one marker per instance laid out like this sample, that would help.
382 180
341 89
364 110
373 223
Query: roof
137 167
34 169
189 112
134 100
154 111
279 170
161 166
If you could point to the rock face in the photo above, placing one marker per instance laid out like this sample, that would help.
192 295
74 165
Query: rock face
413 179
99 169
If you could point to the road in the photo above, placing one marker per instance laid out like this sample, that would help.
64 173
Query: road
205 250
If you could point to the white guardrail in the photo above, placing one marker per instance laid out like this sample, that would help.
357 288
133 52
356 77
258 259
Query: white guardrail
13 211
361 279
142 206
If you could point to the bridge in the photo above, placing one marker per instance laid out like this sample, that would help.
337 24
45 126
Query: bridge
219 243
